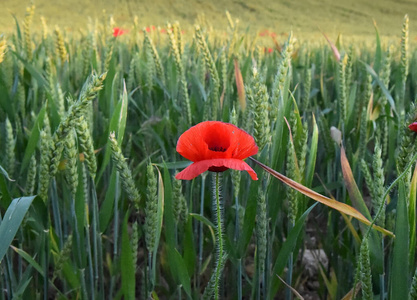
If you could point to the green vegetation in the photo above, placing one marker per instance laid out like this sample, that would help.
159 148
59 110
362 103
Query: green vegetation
90 207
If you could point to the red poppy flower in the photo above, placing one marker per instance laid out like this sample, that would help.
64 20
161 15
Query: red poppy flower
148 29
413 126
118 31
270 50
215 146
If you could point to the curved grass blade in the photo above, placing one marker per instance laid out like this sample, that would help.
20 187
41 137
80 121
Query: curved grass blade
240 86
118 125
339 206
11 222
33 140
334 48
382 86
354 193
2 170
312 154
29 259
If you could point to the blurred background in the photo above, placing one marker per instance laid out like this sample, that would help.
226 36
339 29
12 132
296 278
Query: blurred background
305 17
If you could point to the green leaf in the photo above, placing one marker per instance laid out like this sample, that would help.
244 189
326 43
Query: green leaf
29 259
127 267
6 198
118 125
168 211
203 219
382 86
190 253
311 163
106 209
32 70
353 190
181 270
175 165
285 252
4 172
160 212
248 220
158 229
33 140
400 276
11 222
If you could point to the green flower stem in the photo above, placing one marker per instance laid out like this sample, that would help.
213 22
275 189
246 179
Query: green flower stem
239 261
200 233
219 239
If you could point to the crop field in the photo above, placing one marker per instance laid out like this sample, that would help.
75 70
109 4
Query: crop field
211 162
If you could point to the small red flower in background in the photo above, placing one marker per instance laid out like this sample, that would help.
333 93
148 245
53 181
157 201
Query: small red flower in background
163 30
270 50
413 126
148 29
215 146
118 31
264 33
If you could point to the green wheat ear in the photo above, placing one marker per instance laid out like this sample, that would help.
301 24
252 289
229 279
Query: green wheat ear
261 122
157 61
71 166
365 271
127 179
27 23
10 148
342 97
179 203
76 110
404 56
280 77
151 208
63 256
31 176
44 28
44 175
261 228
211 66
60 46
185 100
379 181
86 142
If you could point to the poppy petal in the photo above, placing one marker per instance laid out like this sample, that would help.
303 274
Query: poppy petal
244 144
413 126
214 140
199 167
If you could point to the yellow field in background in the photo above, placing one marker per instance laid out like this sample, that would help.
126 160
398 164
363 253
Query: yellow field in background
304 18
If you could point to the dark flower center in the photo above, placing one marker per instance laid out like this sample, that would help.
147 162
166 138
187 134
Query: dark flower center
217 169
217 148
